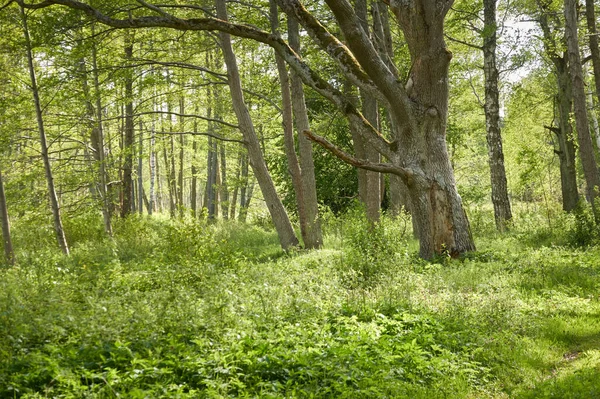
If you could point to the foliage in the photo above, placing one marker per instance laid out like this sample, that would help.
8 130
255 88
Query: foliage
187 309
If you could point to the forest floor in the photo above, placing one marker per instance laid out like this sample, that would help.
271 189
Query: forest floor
182 309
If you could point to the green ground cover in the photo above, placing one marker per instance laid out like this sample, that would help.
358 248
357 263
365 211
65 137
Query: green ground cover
183 309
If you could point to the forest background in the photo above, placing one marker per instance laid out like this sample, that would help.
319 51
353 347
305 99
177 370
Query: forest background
293 210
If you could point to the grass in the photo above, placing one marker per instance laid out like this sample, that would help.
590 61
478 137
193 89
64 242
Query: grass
185 309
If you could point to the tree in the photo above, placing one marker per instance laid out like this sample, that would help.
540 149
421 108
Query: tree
54 204
9 253
590 169
417 151
550 23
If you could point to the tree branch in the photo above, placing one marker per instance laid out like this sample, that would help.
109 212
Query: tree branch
404 173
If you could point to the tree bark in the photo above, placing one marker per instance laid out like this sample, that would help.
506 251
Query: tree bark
54 203
285 232
500 200
9 253
181 156
224 188
314 235
590 169
101 155
590 14
371 189
288 130
245 181
128 140
564 104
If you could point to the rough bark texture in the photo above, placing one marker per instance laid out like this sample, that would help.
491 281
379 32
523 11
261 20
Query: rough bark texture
9 253
54 204
500 200
314 236
128 139
590 170
563 130
287 237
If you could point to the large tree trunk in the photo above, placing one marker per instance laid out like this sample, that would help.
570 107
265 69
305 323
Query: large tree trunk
502 211
287 237
128 140
442 223
56 212
9 254
590 170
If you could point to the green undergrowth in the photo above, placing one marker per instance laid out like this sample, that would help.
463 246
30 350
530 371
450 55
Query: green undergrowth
185 309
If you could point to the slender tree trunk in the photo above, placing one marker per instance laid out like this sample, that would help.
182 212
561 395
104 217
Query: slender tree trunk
128 139
140 176
566 145
244 188
152 153
224 189
500 200
56 213
288 130
594 119
194 188
590 15
181 156
9 254
236 188
287 237
564 103
590 169
370 110
211 179
101 155
314 235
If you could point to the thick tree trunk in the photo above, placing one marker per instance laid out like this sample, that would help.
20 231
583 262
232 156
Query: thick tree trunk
500 200
128 140
287 237
590 169
56 212
9 254
441 221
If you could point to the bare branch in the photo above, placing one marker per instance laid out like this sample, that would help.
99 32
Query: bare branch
404 173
